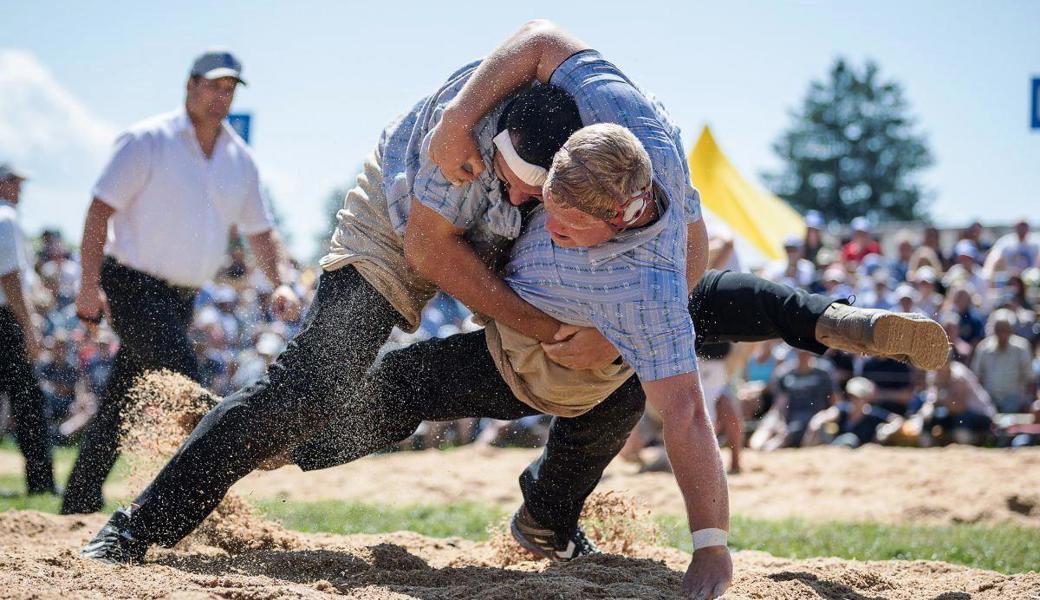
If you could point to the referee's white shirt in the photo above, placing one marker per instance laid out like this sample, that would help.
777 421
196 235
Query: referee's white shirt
13 252
173 206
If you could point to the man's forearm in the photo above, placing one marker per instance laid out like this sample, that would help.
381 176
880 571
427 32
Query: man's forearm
12 286
268 255
95 232
456 269
530 54
692 449
698 469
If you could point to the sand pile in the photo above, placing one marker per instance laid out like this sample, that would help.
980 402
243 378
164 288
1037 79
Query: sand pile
163 407
38 559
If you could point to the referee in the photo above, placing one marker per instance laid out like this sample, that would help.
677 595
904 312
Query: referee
156 230
19 342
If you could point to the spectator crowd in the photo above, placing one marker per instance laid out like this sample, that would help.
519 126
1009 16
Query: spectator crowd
982 289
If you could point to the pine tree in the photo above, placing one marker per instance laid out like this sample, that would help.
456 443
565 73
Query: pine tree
853 150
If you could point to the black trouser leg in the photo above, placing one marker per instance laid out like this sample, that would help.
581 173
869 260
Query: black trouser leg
454 378
27 405
740 307
578 450
435 380
344 329
151 319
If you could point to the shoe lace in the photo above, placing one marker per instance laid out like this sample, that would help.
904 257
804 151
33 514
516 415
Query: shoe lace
582 543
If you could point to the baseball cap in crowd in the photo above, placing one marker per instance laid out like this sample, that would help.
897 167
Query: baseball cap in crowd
966 248
814 219
861 224
7 171
905 290
792 241
216 63
925 274
836 274
860 387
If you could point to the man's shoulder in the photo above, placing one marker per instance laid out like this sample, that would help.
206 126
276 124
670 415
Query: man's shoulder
1020 343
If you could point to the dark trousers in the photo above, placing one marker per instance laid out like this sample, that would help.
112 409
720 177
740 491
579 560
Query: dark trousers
740 307
151 318
316 394
455 377
321 367
28 406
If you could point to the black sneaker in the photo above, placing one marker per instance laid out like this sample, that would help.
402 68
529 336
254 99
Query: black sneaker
114 544
548 543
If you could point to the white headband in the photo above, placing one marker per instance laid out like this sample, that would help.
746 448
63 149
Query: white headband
528 173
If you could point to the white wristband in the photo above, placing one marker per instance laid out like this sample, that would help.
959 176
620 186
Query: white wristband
705 538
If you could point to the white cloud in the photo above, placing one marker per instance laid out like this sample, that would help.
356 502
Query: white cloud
46 130
40 117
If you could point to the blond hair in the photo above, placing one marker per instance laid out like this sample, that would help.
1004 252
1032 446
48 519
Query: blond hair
598 169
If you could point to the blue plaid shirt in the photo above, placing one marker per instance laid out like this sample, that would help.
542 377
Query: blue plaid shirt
603 94
632 288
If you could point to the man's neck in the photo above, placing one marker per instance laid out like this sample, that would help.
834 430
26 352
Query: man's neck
206 132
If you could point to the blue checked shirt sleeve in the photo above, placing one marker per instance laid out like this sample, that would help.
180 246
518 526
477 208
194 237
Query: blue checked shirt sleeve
656 338
459 205
604 95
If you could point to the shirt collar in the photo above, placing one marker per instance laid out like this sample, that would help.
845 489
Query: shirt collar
631 239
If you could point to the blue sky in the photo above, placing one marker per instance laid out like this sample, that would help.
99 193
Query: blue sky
325 77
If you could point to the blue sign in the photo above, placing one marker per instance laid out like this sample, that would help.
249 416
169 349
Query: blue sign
1035 105
240 122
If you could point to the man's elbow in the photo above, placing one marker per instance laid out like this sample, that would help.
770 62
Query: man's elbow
540 29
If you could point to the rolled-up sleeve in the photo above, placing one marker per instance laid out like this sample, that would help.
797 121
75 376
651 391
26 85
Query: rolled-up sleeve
459 205
604 95
126 172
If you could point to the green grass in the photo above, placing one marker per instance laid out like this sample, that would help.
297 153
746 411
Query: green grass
1005 548
465 520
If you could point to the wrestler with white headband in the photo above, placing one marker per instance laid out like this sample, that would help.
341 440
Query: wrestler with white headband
630 209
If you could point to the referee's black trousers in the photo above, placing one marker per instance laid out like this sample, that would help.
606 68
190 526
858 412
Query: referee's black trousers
28 406
151 318
317 399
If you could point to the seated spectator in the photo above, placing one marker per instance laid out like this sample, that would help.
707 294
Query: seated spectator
904 299
966 271
1014 252
1023 433
801 391
893 381
899 266
795 270
813 243
861 243
928 299
850 423
1002 363
59 376
956 406
835 282
960 348
971 328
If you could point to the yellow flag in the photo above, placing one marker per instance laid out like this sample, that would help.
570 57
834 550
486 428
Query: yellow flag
754 214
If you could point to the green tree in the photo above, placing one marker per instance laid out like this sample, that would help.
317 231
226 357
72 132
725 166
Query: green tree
853 149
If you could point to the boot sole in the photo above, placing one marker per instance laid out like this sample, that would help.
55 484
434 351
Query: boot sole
921 340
